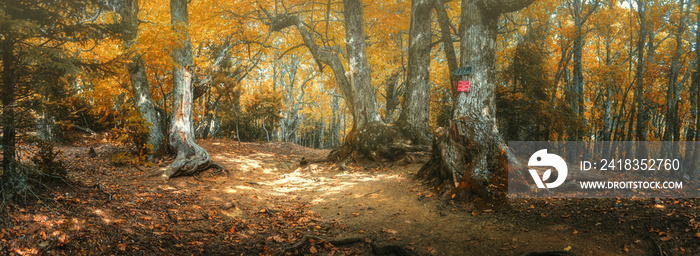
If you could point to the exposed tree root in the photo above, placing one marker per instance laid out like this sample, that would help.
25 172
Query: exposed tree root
469 159
190 164
377 143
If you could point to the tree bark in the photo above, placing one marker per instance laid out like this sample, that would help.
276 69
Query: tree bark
139 80
190 157
640 99
672 91
696 89
415 111
391 97
470 155
9 166
576 7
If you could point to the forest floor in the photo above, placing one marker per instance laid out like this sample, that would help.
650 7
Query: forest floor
269 206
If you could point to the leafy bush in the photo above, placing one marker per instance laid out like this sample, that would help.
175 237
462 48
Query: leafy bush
46 162
132 131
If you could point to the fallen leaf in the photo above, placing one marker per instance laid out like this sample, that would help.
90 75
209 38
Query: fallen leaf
568 248
121 247
313 250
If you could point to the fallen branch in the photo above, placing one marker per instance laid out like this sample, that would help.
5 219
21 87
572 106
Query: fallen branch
304 162
83 129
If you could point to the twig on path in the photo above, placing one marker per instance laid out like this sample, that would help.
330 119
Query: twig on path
371 193
271 212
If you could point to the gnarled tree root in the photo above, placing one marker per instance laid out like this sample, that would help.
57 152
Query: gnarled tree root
376 142
469 160
191 164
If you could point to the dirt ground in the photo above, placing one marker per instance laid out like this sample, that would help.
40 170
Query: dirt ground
269 206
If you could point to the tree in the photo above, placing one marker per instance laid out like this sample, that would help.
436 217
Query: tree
581 10
287 80
470 154
696 91
139 80
577 8
37 54
369 135
672 129
415 110
190 157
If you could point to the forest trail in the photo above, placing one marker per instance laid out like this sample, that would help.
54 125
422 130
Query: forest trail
268 205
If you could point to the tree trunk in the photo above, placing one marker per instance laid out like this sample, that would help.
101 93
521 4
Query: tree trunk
640 99
9 165
696 89
139 80
470 154
413 121
576 7
391 97
672 91
607 105
190 157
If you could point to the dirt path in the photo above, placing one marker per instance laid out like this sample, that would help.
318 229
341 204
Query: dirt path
268 205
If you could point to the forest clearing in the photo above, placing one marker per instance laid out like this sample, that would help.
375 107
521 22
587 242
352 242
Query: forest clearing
269 205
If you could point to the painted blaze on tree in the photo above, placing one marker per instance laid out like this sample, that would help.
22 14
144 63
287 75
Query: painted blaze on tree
470 155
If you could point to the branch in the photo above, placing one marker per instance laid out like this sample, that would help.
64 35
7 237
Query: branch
321 55
504 6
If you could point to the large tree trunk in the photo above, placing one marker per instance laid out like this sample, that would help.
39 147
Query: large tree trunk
190 157
415 111
470 154
139 80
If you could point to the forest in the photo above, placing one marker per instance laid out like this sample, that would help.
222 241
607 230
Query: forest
352 127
